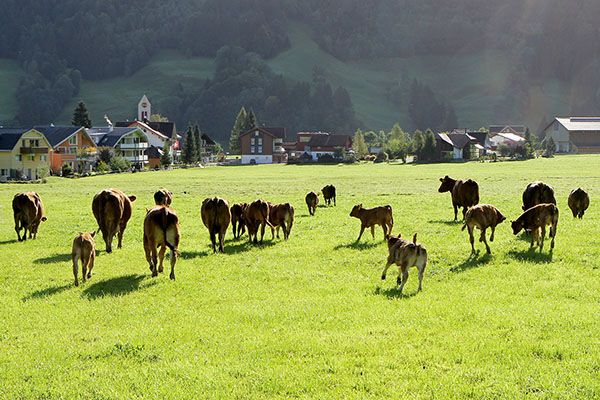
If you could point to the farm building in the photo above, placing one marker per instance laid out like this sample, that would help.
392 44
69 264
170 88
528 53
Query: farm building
318 144
263 145
575 134
457 146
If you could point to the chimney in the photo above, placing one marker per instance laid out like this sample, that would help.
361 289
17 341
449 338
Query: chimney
108 121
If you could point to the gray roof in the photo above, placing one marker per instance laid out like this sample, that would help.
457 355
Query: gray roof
580 123
277 132
458 140
9 137
105 138
57 134
325 140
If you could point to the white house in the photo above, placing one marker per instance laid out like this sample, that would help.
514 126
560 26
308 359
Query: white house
575 134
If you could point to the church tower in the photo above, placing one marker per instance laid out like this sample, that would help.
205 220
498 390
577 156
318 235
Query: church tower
144 109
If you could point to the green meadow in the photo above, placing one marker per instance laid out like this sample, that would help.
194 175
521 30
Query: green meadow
309 317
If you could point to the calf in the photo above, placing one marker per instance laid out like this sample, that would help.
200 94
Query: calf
161 229
163 197
216 217
482 216
28 212
237 218
312 200
369 217
281 215
328 194
405 254
579 201
535 218
465 193
112 209
84 249
257 214
537 193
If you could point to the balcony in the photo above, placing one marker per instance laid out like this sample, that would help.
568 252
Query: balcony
133 146
34 150
278 149
135 159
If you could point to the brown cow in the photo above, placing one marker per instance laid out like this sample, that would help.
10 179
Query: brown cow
255 215
328 194
112 209
482 216
281 215
161 229
163 197
28 211
216 216
535 218
579 201
84 249
237 218
312 200
406 254
369 217
537 193
465 193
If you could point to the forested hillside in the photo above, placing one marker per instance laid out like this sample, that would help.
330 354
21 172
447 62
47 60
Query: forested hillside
546 48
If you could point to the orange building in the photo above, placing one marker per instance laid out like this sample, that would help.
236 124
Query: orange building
70 144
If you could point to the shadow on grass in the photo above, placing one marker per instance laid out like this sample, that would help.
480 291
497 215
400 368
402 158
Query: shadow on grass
53 259
9 241
116 286
472 262
358 245
236 246
393 293
51 291
446 222
532 255
188 255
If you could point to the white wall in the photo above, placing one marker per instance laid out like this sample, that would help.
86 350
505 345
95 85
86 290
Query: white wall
561 138
257 158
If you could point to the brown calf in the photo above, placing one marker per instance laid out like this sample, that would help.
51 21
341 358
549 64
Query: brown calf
482 216
161 229
112 209
537 193
255 215
328 194
406 254
579 201
369 217
163 197
28 212
281 215
535 218
84 249
237 218
216 217
312 200
465 193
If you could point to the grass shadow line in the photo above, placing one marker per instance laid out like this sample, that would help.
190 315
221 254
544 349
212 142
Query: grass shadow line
240 246
531 255
393 293
43 293
9 241
472 262
446 222
188 255
358 245
53 259
115 286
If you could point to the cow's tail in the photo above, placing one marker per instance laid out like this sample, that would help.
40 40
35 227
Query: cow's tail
464 226
415 238
164 224
391 213
265 213
215 228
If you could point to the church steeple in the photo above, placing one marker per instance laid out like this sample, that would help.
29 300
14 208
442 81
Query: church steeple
144 109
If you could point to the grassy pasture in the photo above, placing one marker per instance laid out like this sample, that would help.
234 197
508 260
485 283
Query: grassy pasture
310 317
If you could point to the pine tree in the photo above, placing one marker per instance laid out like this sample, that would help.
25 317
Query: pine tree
429 146
81 116
359 145
418 141
165 158
251 121
235 145
198 142
189 147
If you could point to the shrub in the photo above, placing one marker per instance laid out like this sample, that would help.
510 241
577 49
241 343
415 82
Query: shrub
382 156
119 164
504 150
101 167
66 170
350 158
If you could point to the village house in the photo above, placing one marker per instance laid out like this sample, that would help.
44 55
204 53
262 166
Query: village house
574 134
69 144
263 145
318 144
516 129
130 143
457 146
24 153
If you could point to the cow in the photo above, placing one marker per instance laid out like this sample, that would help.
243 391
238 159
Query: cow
163 197
579 201
405 254
161 229
482 216
465 193
281 215
237 219
312 200
537 193
84 249
255 215
216 216
535 218
328 194
369 217
28 211
112 209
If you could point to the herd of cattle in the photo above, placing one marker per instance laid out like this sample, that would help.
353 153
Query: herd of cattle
112 209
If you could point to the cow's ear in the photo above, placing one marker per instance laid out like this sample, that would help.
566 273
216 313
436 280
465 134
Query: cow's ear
44 219
132 198
93 234
147 210
441 179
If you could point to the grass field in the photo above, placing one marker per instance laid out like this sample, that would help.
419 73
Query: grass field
307 318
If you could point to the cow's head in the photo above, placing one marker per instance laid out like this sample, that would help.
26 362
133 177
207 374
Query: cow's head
447 184
393 239
44 219
132 198
499 217
356 210
516 226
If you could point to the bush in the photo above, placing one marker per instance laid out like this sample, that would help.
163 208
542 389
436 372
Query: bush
66 170
350 158
119 164
382 156
101 167
504 150
326 158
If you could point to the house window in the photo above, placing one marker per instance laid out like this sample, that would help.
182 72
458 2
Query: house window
31 157
259 150
42 158
19 157
61 150
260 141
252 148
73 140
72 150
4 172
252 141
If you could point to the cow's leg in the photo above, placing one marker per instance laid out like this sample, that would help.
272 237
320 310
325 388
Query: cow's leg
362 229
543 235
384 228
533 235
493 231
387 265
471 238
455 211
161 257
84 266
402 281
173 259
553 231
18 228
213 240
233 224
464 212
262 232
421 272
373 231
75 258
120 236
334 201
487 247
222 242
289 228
278 230
91 264
154 261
